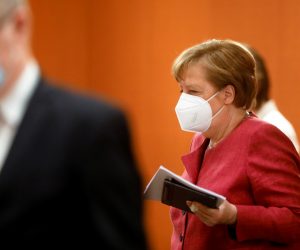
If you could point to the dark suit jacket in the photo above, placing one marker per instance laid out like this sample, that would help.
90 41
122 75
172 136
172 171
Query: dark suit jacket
70 177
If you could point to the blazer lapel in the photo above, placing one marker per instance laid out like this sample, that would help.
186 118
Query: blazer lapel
193 160
28 131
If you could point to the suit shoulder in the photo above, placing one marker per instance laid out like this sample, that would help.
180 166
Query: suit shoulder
76 106
256 125
262 134
73 100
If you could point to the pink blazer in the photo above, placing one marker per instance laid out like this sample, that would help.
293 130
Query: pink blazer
256 168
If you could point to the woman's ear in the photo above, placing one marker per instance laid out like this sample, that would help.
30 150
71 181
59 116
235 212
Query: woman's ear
229 93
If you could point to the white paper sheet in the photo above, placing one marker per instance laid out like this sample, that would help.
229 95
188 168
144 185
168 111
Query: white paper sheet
154 189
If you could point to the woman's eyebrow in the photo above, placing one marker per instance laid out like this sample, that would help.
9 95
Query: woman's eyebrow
194 86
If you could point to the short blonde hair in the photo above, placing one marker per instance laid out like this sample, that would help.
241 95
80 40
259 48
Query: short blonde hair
226 62
7 6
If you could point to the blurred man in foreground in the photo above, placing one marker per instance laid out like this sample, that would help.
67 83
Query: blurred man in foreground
67 173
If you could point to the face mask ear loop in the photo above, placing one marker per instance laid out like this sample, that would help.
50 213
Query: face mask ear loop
218 112
212 96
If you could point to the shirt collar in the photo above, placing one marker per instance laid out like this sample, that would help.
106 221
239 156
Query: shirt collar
13 105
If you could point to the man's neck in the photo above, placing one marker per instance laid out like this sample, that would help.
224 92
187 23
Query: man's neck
13 77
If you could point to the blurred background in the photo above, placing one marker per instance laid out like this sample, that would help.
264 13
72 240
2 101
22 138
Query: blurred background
123 50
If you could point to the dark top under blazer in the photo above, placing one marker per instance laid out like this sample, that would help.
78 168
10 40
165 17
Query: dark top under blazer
70 177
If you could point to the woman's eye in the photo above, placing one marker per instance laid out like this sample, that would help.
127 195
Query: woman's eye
193 92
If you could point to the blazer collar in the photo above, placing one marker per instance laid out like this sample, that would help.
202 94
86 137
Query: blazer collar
193 160
34 120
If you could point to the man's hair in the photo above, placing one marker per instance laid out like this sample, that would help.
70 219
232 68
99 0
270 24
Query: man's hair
225 62
7 7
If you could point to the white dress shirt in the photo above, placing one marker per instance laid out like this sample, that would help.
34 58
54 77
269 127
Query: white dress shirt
13 106
270 113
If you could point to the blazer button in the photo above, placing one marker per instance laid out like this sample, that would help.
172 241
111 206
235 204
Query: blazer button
181 237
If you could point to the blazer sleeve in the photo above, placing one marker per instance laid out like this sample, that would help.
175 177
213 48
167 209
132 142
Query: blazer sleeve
274 176
113 184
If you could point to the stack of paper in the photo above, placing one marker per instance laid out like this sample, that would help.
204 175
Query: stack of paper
171 189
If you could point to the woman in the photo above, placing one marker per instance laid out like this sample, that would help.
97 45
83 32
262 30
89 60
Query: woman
252 163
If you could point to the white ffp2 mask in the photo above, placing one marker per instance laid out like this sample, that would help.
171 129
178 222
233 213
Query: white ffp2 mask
194 113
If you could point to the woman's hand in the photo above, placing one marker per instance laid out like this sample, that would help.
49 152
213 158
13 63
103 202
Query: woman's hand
225 214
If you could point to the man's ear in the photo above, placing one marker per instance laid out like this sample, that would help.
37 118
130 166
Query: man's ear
229 94
22 20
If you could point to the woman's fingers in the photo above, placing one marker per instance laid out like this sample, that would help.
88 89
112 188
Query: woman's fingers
225 214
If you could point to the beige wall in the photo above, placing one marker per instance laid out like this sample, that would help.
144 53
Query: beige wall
124 50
